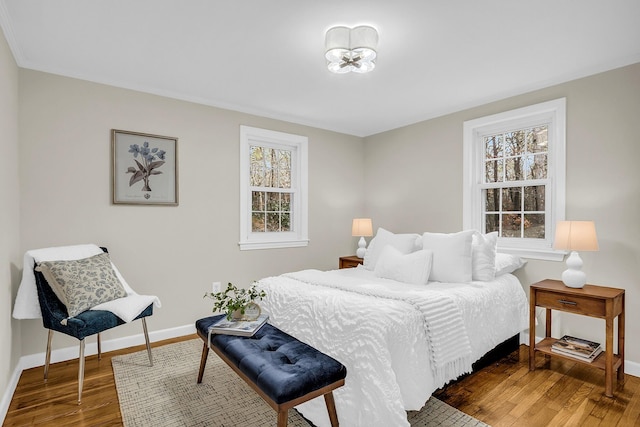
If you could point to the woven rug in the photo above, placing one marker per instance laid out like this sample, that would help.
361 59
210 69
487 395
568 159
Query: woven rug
167 394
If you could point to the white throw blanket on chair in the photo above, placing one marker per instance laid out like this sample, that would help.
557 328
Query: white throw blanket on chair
27 305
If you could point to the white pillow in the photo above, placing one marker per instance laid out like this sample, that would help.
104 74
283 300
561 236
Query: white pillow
483 256
507 263
405 243
411 268
451 256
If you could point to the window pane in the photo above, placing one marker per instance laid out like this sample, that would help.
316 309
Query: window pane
511 225
536 166
284 178
273 201
492 199
537 140
534 226
257 222
514 143
257 201
286 222
284 159
534 198
512 199
273 221
513 169
494 170
257 175
285 202
493 146
491 223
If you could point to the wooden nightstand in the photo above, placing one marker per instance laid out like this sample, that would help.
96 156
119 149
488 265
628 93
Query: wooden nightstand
350 261
595 301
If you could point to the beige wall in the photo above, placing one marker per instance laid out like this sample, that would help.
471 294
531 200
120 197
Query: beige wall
172 252
413 182
10 258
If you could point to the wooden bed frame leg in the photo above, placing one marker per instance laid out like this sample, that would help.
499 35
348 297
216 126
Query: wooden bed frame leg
331 408
203 361
283 417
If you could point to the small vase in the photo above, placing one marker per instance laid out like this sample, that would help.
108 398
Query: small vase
236 315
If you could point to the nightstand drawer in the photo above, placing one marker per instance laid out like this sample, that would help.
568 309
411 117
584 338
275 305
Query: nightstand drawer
571 303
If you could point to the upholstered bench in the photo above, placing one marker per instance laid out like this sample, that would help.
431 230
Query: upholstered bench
285 372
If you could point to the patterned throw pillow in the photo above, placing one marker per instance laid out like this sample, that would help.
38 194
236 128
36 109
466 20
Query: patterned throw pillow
83 283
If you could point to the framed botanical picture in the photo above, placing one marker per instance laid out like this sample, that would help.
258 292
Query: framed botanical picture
145 168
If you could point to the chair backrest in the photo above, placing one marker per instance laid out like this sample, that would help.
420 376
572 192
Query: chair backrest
52 309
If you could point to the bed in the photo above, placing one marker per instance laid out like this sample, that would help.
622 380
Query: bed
400 334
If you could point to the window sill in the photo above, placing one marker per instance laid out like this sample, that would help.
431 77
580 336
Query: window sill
249 246
546 254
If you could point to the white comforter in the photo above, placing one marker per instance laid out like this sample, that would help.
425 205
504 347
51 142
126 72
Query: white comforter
381 336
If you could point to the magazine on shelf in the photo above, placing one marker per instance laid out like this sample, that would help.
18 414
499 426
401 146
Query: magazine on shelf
244 328
575 356
576 347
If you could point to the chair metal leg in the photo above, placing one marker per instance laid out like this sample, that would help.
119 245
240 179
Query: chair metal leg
146 339
47 358
80 371
99 348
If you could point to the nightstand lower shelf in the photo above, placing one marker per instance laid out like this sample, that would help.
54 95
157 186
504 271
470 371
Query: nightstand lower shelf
544 347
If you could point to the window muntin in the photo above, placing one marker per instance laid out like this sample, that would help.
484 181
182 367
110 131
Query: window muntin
273 180
514 175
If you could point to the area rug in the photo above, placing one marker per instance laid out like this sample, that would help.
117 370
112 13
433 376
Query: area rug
167 394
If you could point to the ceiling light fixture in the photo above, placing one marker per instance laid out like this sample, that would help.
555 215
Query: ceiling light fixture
351 49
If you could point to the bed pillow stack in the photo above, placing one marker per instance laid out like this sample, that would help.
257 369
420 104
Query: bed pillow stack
404 243
459 257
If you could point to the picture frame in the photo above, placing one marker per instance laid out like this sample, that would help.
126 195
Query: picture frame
145 168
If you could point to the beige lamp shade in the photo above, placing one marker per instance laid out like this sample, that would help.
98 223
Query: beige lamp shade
361 227
576 236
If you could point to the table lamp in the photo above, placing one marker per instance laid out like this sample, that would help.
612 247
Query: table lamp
575 236
361 227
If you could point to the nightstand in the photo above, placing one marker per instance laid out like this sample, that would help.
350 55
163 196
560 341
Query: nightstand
350 261
594 301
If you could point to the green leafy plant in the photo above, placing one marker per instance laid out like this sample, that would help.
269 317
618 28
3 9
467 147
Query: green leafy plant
234 299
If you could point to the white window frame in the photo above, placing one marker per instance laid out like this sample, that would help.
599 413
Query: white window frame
551 113
299 235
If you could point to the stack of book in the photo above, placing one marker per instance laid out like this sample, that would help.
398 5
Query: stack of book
577 347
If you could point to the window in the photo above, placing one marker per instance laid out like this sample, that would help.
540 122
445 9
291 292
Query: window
273 187
514 177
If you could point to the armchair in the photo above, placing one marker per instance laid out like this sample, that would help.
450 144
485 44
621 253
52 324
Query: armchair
55 317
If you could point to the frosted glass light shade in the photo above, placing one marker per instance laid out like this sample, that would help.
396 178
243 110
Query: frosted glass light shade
351 49
575 236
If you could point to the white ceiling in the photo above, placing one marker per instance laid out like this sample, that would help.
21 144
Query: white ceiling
265 57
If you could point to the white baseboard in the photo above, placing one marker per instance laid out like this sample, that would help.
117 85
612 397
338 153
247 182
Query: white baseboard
630 368
69 353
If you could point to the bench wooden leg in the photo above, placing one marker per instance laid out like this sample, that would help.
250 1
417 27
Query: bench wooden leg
331 408
283 417
203 361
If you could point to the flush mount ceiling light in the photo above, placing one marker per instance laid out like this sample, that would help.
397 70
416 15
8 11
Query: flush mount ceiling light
351 49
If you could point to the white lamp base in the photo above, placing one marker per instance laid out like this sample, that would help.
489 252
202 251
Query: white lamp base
362 248
573 276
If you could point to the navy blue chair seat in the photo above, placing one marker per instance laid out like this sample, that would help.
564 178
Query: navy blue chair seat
87 323
283 370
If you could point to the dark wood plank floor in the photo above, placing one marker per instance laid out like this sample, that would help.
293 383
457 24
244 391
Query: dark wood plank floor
559 393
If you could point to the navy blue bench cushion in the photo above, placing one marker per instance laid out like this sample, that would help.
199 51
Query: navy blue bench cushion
280 365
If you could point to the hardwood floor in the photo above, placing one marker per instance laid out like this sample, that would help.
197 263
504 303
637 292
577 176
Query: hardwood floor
558 393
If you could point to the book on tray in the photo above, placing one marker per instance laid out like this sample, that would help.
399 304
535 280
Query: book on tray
244 328
577 347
